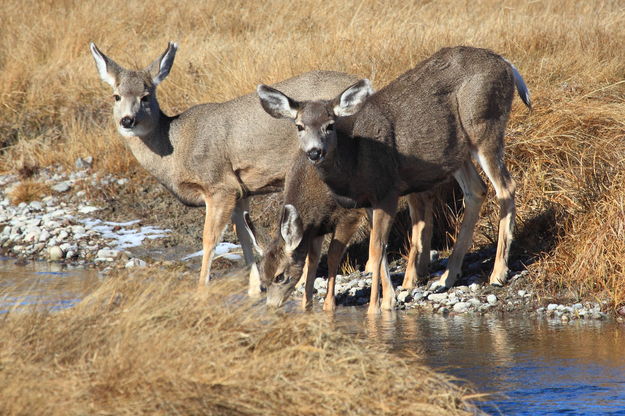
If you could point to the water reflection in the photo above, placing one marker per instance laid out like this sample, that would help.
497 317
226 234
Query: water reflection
46 285
534 367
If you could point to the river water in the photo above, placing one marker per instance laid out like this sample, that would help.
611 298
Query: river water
42 284
528 366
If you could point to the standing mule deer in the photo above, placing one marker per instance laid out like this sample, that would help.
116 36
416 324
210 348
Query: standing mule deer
214 155
415 133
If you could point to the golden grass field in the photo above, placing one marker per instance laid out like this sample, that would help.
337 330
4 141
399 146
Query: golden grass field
151 344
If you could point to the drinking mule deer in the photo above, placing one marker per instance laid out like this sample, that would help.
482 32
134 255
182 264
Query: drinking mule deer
418 131
214 155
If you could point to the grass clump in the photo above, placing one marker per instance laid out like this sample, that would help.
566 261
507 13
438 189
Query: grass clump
150 343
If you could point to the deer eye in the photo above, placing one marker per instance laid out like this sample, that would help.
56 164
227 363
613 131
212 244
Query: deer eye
145 98
300 127
116 97
279 278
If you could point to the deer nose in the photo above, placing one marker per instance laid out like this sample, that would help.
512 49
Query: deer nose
315 154
127 122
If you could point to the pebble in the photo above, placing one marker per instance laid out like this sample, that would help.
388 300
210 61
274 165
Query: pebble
437 297
461 307
61 187
403 296
55 253
491 299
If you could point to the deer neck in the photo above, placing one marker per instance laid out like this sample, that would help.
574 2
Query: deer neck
155 150
339 169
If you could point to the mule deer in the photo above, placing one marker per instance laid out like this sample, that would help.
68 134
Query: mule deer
308 214
214 155
418 131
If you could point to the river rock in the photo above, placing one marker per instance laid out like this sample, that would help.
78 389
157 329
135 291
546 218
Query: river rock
461 307
107 254
404 296
438 297
61 187
320 283
55 253
84 163
491 299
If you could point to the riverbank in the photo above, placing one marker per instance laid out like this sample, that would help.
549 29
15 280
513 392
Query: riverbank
69 223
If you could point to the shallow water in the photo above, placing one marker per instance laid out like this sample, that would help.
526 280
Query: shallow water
39 284
532 367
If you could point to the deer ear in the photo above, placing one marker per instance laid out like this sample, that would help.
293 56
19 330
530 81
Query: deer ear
291 228
159 69
352 99
277 104
249 227
107 68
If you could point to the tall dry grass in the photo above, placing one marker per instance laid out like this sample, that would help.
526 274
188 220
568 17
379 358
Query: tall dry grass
152 344
565 155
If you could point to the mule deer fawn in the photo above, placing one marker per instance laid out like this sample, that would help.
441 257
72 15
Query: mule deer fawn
214 155
418 131
309 213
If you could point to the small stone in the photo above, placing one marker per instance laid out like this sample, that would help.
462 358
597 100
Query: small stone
403 296
443 310
461 307
55 253
475 302
61 187
84 163
36 206
577 306
417 294
62 235
44 236
107 253
565 318
437 297
320 283
491 299
474 287
552 307
521 293
621 311
87 209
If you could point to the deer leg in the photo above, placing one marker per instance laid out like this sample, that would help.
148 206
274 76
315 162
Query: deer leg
474 191
383 216
368 266
504 185
342 234
242 205
219 208
312 260
420 206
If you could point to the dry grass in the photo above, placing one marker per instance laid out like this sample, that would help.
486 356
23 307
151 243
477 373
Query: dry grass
27 191
150 343
565 155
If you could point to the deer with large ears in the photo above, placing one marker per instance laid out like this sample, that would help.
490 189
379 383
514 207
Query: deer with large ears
215 155
418 131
